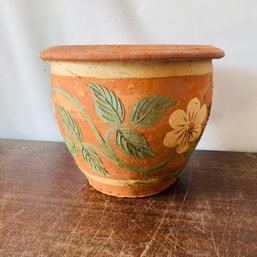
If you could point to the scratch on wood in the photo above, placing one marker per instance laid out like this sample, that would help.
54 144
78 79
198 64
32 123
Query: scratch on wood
73 232
42 165
225 228
210 209
186 194
77 225
153 237
254 249
227 246
203 223
214 245
78 190
145 251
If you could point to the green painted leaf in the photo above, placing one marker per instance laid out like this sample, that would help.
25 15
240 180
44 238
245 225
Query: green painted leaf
133 144
70 124
71 146
93 160
108 106
149 110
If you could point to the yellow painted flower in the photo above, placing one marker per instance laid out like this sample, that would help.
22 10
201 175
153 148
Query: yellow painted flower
187 126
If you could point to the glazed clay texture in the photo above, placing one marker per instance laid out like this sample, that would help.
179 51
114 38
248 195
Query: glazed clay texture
131 126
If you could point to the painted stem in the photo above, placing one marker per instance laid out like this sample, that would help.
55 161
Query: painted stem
123 164
92 125
148 168
110 158
107 144
107 139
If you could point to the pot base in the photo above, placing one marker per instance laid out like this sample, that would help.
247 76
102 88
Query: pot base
136 190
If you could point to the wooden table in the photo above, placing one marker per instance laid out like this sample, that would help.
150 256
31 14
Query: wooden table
47 208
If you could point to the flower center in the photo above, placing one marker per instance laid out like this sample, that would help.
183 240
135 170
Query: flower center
190 127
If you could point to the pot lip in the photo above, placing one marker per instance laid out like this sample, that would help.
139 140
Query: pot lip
111 53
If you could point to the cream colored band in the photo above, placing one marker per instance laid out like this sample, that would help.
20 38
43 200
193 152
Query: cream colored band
130 70
129 182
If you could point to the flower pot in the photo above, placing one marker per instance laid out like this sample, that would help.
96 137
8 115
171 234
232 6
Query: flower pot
131 115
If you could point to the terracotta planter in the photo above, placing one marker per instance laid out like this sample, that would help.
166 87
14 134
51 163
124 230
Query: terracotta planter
131 115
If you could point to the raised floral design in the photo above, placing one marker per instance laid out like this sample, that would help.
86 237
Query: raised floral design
187 126
110 110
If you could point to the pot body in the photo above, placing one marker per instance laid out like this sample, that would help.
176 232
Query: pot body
131 126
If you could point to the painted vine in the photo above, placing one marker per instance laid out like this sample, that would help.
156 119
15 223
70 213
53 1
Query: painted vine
111 111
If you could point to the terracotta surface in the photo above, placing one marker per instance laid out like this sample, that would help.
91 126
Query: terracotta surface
181 89
132 126
94 53
47 208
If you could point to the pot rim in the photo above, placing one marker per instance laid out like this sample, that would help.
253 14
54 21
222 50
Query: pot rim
112 53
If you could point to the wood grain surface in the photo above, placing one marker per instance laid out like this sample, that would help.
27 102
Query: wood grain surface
47 208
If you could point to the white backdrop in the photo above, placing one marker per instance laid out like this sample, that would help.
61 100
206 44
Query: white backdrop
29 26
